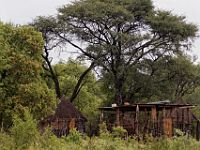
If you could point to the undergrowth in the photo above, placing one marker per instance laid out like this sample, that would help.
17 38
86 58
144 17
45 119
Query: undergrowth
25 136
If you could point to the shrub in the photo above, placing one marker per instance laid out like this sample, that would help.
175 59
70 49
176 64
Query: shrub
6 142
119 132
74 136
24 131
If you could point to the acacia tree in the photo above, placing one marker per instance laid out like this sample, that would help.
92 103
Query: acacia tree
168 78
121 34
47 26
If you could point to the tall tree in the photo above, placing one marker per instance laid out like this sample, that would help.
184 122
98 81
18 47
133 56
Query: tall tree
46 25
21 85
119 35
89 98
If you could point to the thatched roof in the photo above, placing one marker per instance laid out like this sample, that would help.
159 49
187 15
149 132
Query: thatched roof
66 109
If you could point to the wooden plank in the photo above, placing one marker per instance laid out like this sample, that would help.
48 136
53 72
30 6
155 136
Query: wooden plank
72 123
136 120
198 131
167 127
153 114
117 117
101 117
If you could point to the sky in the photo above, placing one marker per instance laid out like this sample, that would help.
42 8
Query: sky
24 11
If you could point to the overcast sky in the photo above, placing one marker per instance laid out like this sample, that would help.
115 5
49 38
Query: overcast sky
24 11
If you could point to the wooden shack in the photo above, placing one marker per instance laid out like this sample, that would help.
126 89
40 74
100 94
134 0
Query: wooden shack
156 119
66 117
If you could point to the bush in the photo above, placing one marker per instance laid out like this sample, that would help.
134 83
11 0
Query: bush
119 132
74 137
24 135
6 142
24 131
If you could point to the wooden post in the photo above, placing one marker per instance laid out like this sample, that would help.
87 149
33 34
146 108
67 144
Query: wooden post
183 120
136 120
178 118
145 130
197 130
172 115
164 112
117 117
153 114
101 117
154 118
163 120
188 121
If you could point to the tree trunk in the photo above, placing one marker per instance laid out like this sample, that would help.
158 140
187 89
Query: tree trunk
80 81
54 77
119 90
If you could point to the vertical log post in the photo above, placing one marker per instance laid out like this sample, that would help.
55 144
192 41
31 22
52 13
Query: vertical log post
188 121
117 117
154 119
101 117
172 115
163 120
136 120
146 122
197 130
153 114
178 118
183 120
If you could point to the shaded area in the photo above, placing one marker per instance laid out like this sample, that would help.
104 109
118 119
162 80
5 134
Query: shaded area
156 119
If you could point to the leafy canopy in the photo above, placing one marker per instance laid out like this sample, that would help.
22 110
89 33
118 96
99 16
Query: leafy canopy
121 35
21 85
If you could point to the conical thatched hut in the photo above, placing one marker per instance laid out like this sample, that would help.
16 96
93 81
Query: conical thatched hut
66 117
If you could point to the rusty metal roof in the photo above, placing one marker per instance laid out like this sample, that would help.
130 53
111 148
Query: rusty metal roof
146 106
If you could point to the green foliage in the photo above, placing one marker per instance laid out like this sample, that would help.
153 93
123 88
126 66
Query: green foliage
119 132
74 136
194 98
21 85
122 37
24 135
103 130
24 131
6 142
172 78
90 96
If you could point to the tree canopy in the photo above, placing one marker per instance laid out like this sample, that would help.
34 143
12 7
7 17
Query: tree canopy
120 35
21 85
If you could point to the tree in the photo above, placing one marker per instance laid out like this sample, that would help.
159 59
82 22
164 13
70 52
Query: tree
120 35
89 98
45 26
21 85
168 78
183 75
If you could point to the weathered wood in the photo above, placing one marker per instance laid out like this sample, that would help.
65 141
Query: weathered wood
198 130
153 114
183 120
72 123
136 120
167 127
154 118
117 117
145 130
101 117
